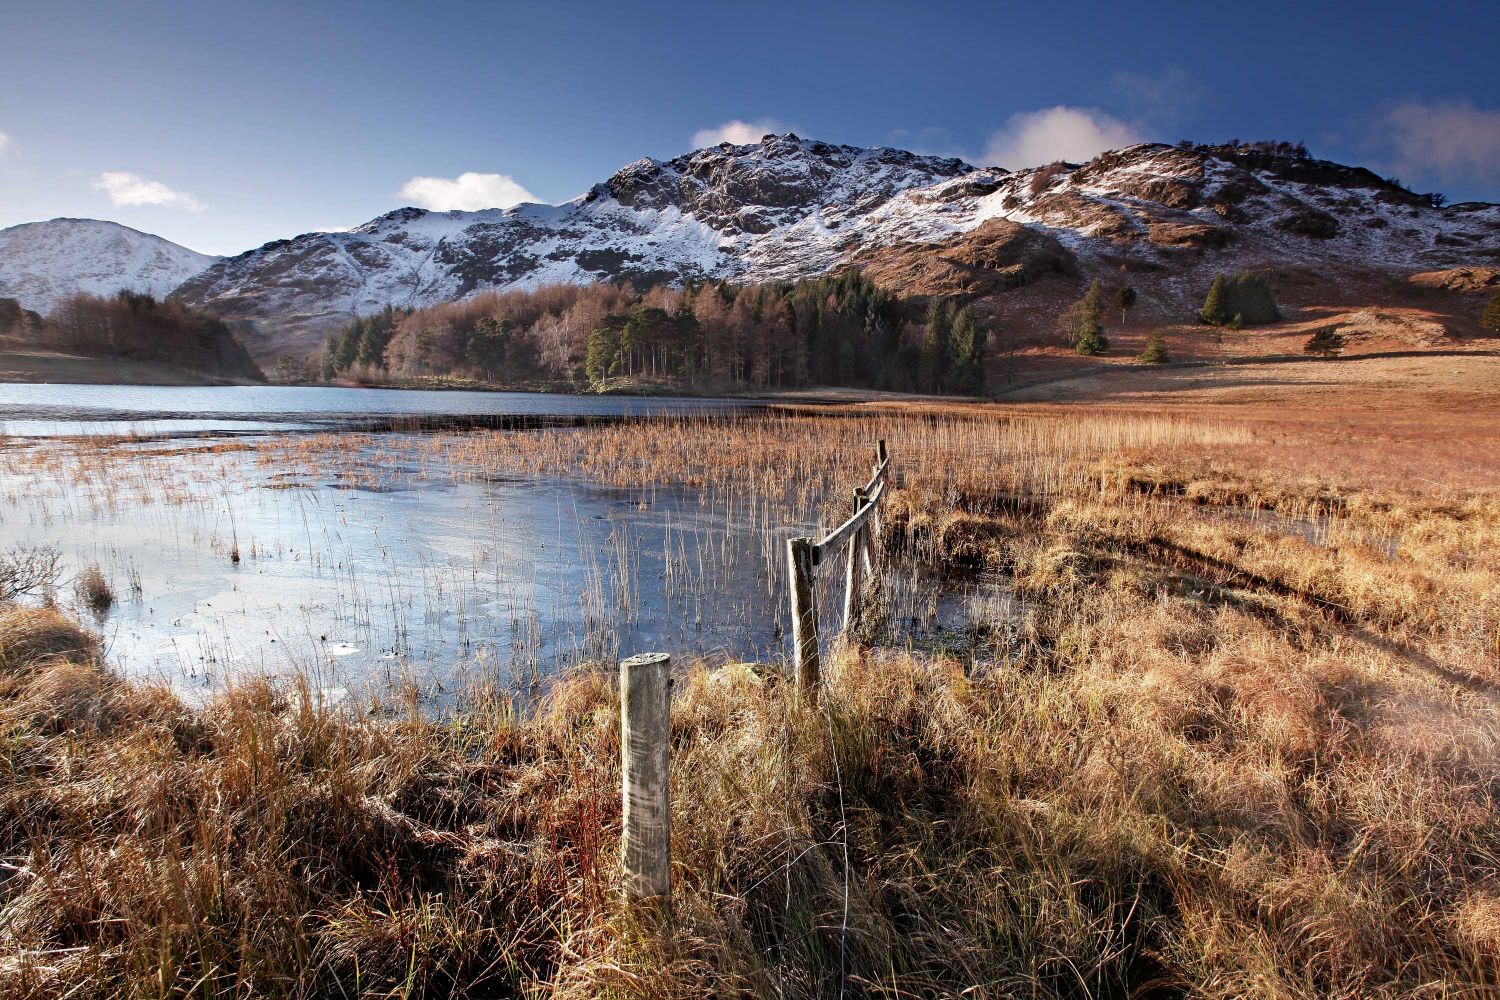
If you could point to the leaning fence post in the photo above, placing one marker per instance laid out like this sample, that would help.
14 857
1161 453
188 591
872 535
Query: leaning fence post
799 552
854 574
646 849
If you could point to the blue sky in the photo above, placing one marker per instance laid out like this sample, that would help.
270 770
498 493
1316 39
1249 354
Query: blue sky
222 126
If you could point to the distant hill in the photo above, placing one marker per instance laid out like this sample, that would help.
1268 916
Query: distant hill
42 263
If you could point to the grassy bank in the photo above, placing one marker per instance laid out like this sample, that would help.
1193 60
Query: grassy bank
1242 741
28 365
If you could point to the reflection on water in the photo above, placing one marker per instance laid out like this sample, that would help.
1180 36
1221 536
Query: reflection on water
39 409
47 428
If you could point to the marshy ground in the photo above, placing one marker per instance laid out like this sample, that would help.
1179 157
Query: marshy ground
1230 729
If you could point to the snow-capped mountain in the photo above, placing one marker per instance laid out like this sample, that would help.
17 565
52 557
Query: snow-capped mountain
788 207
42 263
779 206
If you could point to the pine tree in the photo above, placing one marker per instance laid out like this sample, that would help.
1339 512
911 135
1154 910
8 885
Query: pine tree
1491 318
288 369
345 345
488 346
1216 306
375 334
1090 338
1124 299
1156 349
1325 341
603 358
935 336
967 343
1093 303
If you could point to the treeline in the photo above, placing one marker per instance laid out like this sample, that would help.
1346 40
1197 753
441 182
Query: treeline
839 329
134 326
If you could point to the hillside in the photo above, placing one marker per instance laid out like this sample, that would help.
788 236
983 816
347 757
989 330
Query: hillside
43 263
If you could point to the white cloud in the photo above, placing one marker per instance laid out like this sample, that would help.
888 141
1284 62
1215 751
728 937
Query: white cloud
4 141
737 132
1032 138
1450 141
468 192
128 189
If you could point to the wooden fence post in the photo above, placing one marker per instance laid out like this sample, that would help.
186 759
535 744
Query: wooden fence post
799 564
854 574
645 731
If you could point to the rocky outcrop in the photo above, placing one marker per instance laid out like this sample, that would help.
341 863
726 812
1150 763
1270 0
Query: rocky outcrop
997 256
1459 279
1304 220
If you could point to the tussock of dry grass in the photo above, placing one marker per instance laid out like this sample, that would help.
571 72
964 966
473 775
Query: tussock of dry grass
94 591
33 637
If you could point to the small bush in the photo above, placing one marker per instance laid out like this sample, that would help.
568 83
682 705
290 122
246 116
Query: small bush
1042 179
1490 320
1156 349
28 571
1325 341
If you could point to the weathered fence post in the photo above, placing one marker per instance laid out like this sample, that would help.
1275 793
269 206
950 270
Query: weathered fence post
645 707
854 574
880 454
799 564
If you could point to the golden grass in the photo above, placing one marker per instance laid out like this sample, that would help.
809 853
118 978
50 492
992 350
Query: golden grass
1239 823
93 589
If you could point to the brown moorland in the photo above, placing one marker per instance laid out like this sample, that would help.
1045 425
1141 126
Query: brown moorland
1241 738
